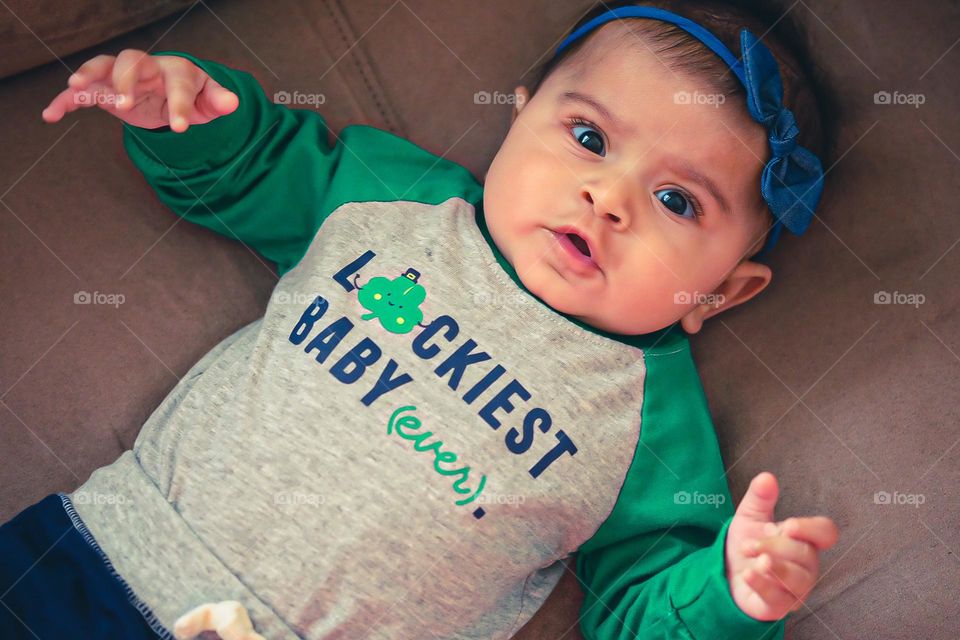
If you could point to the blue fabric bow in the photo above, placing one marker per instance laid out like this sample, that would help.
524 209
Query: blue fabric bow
792 180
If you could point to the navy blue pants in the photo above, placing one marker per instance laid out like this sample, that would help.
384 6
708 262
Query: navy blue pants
55 584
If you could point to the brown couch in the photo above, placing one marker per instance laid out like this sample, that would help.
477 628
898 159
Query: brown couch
844 398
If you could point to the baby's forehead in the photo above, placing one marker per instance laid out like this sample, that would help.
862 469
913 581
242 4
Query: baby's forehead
635 82
619 45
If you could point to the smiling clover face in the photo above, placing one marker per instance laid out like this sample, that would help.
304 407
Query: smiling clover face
395 302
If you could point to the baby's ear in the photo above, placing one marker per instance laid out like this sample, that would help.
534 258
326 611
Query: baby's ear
520 98
744 282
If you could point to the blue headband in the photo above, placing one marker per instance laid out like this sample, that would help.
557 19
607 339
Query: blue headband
792 180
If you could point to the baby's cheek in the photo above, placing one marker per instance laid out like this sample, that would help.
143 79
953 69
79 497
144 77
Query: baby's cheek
537 153
536 176
649 301
513 178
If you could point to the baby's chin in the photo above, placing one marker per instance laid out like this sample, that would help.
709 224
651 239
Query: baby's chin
560 296
588 311
619 327
587 307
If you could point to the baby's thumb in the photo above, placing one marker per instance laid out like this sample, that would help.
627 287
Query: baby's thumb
760 499
215 100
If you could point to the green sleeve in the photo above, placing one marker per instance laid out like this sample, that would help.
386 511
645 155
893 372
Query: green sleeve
266 174
655 567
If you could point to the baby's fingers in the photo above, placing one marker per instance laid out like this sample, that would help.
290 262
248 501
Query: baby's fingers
229 619
784 548
72 99
131 67
93 70
182 83
792 578
819 531
771 589
63 103
214 100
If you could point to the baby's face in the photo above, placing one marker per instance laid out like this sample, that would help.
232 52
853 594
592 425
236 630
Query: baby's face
623 182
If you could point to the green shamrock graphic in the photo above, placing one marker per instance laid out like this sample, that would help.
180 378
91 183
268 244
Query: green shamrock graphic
395 302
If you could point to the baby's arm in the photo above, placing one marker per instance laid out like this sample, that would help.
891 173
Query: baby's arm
257 175
656 568
244 167
259 172
670 561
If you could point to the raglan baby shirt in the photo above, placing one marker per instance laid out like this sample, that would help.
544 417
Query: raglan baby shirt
408 443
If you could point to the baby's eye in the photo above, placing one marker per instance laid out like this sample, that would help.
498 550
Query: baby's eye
589 138
677 202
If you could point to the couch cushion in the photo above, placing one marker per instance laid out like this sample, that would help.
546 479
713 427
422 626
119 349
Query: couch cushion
33 33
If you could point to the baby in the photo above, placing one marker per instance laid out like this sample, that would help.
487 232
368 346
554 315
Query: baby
454 387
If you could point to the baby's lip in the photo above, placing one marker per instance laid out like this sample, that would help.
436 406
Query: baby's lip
592 244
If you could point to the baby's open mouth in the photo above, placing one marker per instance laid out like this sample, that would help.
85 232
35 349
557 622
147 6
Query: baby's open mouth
579 243
577 249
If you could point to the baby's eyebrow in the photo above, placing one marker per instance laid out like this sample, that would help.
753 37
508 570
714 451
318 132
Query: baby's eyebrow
582 98
684 168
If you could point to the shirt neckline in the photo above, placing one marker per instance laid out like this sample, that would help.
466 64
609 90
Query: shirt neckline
667 337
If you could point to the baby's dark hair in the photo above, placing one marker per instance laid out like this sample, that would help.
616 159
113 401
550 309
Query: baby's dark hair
806 91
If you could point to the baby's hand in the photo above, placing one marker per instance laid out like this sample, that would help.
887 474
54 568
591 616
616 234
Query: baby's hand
145 91
772 566
229 619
